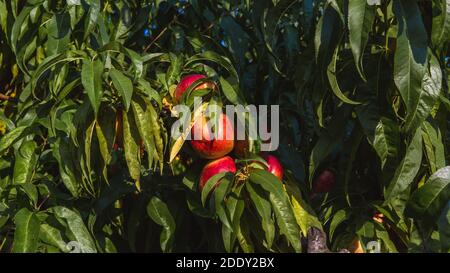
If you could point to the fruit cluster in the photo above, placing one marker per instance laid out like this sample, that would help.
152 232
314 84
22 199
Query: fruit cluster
217 149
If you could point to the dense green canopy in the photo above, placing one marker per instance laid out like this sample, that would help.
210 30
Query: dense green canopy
86 155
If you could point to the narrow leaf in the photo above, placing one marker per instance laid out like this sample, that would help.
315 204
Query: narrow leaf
280 205
411 52
360 20
408 168
25 163
77 228
428 201
26 236
160 214
91 78
124 85
131 145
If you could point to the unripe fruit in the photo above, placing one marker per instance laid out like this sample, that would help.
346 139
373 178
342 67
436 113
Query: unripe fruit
186 81
324 182
207 146
224 164
274 166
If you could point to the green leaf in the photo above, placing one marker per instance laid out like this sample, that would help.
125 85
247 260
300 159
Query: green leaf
86 156
360 21
231 93
339 217
421 105
93 14
175 68
31 191
52 236
264 209
160 214
210 185
366 231
220 192
407 169
229 238
410 54
328 32
11 137
159 134
58 33
386 140
383 234
214 57
235 207
124 85
304 214
235 204
428 201
440 32
63 154
105 131
76 227
131 142
145 87
382 131
26 235
332 77
444 228
328 140
445 102
147 121
43 67
280 205
91 78
434 146
19 23
25 163
123 25
243 237
137 61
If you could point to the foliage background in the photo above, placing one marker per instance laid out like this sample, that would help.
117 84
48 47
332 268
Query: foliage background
362 89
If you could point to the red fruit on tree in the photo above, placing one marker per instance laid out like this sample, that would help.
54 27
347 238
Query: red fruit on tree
324 182
208 145
274 166
187 81
224 164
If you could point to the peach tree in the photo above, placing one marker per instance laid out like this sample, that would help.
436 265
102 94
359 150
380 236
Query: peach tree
87 91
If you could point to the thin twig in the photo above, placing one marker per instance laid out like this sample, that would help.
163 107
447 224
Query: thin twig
160 34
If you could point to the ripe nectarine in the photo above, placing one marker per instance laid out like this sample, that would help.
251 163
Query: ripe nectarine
207 145
224 164
187 81
274 166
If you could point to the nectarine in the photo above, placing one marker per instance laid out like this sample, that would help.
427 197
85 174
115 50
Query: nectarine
207 145
187 81
224 164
